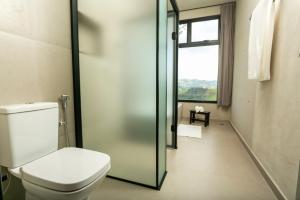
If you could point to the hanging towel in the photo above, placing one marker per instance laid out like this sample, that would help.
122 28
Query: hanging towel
261 39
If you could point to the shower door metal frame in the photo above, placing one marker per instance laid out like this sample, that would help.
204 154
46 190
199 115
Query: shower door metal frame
77 94
175 12
173 128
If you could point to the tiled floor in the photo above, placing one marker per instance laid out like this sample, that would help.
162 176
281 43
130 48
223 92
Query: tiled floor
216 167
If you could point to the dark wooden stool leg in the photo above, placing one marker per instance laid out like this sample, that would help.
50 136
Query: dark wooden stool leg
194 117
190 117
208 119
206 123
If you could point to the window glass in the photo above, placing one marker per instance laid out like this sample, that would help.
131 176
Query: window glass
182 33
198 73
205 30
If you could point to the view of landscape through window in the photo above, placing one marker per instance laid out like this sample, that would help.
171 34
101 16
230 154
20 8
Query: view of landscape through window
198 65
198 73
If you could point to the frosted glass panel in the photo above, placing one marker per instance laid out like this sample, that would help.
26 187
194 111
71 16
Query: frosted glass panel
170 78
162 86
117 43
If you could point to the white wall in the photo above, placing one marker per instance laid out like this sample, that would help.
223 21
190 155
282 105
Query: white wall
267 114
196 13
244 90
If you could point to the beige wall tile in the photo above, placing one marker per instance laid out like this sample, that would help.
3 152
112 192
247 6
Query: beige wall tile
14 17
46 20
35 54
35 58
51 25
19 77
34 71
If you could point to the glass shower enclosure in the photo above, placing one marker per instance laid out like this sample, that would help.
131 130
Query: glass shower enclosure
120 85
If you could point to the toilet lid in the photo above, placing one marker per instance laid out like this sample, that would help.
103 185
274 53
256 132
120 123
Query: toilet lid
66 170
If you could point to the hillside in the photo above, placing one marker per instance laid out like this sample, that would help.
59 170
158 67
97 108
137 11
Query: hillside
194 89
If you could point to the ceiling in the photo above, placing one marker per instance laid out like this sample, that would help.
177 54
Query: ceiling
190 4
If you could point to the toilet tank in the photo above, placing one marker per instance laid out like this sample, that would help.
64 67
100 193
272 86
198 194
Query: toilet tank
27 132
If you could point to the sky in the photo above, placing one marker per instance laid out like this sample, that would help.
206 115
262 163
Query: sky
199 62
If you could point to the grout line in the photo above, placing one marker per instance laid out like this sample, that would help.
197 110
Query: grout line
269 179
39 41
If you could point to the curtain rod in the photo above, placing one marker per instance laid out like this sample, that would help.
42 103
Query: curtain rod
208 6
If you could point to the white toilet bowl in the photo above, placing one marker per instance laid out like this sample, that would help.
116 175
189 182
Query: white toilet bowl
28 148
67 174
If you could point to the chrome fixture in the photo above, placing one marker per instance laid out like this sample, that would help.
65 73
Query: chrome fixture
64 122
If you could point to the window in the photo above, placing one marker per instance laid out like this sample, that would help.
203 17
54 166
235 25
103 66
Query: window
205 30
198 59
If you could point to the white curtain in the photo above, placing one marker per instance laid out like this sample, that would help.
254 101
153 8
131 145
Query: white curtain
261 39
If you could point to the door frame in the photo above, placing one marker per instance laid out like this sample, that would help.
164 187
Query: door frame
175 12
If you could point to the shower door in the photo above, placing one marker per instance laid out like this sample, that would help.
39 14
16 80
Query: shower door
171 80
120 85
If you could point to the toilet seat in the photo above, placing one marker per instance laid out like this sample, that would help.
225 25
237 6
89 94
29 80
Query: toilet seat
66 170
41 193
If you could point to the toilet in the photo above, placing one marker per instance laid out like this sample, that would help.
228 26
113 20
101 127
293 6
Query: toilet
29 149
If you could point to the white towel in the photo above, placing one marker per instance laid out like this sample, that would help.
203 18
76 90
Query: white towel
199 109
261 39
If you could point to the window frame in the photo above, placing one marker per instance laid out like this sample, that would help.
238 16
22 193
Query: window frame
189 32
189 43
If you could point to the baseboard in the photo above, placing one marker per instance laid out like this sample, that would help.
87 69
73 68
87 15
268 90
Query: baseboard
158 187
269 179
132 182
0 185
